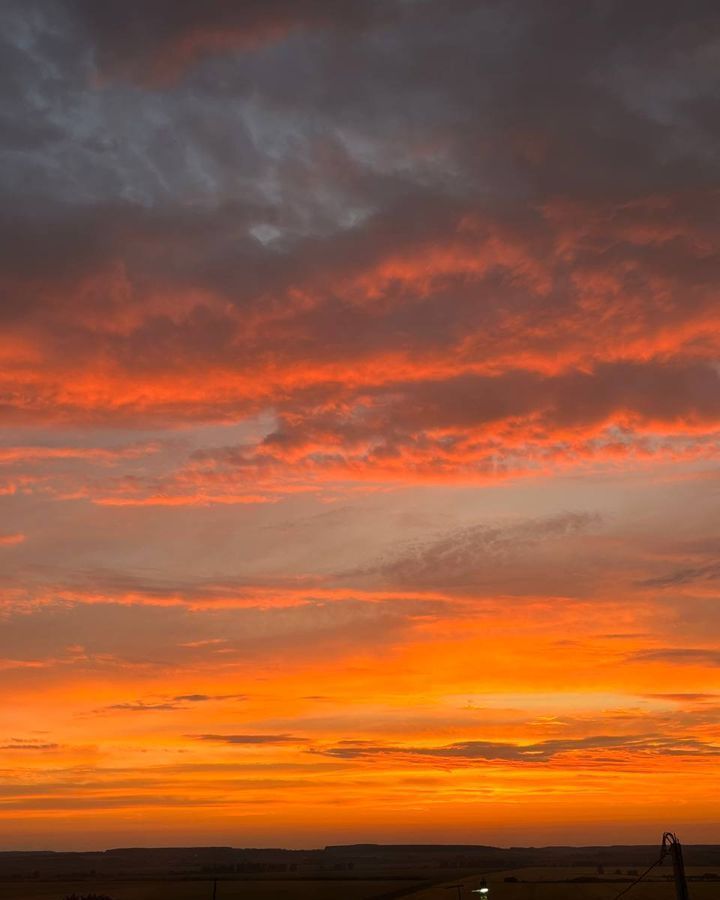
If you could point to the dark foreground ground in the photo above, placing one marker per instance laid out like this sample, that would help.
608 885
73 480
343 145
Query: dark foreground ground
360 872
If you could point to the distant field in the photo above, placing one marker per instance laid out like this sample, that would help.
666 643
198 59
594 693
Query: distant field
534 884
532 887
197 890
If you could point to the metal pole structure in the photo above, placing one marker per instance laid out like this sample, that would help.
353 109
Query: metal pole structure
215 889
671 845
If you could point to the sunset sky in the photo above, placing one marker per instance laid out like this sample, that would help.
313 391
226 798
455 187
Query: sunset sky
360 422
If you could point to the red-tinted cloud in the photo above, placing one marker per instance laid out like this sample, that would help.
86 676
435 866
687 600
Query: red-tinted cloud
361 405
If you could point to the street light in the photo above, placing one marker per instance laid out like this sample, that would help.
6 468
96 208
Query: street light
484 890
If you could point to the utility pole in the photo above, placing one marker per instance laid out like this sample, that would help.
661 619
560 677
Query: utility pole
671 845
215 889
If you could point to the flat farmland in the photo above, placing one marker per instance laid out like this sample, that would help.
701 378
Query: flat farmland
556 883
292 889
546 883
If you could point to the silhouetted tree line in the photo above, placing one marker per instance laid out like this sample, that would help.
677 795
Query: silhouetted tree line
250 868
87 897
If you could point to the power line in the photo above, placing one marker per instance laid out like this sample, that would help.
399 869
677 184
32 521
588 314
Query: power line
638 880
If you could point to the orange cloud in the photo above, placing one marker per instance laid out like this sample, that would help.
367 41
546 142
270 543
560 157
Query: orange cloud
366 432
